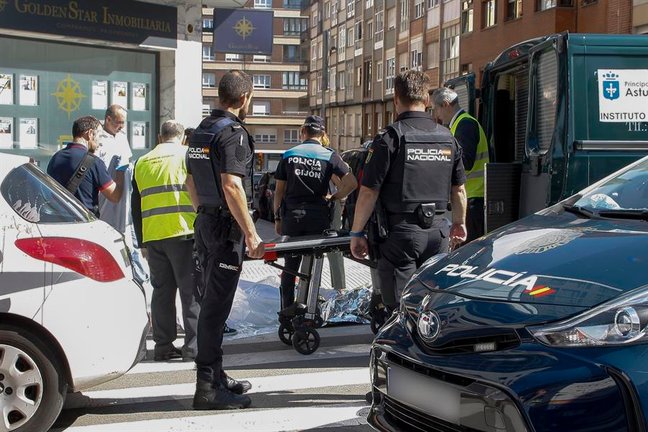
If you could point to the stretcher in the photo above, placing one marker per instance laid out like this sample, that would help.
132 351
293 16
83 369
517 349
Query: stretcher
299 322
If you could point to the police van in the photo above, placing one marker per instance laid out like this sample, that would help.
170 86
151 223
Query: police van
560 112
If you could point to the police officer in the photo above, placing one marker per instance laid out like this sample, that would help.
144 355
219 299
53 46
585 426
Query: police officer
413 169
302 204
472 139
163 218
219 162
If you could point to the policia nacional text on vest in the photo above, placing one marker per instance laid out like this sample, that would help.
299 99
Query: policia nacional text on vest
205 164
420 179
166 205
474 176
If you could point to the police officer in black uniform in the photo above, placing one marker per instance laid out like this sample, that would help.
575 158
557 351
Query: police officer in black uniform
414 170
219 163
302 204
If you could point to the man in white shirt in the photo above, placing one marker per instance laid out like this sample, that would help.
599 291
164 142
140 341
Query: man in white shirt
116 153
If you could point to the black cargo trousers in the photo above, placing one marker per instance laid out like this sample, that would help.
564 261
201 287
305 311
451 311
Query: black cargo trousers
299 220
221 260
407 247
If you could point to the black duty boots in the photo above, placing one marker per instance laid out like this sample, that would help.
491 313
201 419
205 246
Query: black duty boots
238 387
217 397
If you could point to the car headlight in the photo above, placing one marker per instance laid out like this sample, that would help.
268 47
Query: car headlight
621 321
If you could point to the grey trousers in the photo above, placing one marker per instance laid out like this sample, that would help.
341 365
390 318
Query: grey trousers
171 266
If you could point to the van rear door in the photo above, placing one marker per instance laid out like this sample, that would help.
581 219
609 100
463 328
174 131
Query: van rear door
465 88
545 129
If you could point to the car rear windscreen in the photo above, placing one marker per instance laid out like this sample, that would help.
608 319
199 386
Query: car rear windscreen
38 198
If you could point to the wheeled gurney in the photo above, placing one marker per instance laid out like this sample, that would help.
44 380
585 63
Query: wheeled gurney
299 322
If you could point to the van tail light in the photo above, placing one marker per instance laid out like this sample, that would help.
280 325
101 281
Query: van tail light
81 256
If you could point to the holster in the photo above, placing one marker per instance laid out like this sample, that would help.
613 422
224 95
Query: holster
425 215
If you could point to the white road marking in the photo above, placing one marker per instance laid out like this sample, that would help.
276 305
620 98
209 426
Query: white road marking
268 384
259 358
274 420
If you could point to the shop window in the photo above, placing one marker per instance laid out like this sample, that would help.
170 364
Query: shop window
45 85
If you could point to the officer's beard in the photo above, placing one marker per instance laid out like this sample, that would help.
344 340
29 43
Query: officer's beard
242 113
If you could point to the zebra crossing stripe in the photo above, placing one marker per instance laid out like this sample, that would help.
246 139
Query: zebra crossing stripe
272 420
260 358
267 384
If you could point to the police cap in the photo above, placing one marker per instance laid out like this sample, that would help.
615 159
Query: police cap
315 122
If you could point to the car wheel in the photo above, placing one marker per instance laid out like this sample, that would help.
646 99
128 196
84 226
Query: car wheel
32 389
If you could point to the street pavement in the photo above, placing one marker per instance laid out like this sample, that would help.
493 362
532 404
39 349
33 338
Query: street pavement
322 392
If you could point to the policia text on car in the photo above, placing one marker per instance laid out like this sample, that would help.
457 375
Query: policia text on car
219 162
413 171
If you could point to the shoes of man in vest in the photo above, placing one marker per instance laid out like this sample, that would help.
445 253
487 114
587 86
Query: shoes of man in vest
211 397
235 386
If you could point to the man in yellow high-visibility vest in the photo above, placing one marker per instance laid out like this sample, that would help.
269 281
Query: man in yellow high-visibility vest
163 217
472 139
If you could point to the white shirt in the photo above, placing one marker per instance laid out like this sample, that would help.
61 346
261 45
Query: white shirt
116 153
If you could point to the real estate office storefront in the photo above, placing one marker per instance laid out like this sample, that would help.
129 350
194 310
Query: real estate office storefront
62 59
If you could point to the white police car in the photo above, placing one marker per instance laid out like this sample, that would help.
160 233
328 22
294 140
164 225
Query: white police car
71 316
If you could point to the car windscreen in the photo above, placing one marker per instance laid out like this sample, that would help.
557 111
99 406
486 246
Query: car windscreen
627 191
38 198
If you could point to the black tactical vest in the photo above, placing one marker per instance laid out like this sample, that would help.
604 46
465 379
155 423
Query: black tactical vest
205 164
422 170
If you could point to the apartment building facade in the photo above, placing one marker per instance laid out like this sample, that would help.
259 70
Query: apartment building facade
280 101
356 48
640 17
490 26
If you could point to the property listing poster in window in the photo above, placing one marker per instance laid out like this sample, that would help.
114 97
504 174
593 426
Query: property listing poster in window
138 135
6 89
28 137
28 90
6 132
120 93
139 97
99 94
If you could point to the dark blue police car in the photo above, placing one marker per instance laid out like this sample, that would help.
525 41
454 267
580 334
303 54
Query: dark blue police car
541 325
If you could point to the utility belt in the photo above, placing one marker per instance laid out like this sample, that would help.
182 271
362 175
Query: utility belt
215 211
423 216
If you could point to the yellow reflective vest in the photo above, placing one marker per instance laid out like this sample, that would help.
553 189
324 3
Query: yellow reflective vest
475 176
166 206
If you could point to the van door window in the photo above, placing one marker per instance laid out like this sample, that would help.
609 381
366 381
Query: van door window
521 112
546 99
511 105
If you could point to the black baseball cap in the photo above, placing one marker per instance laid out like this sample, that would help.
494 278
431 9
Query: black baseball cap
315 122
